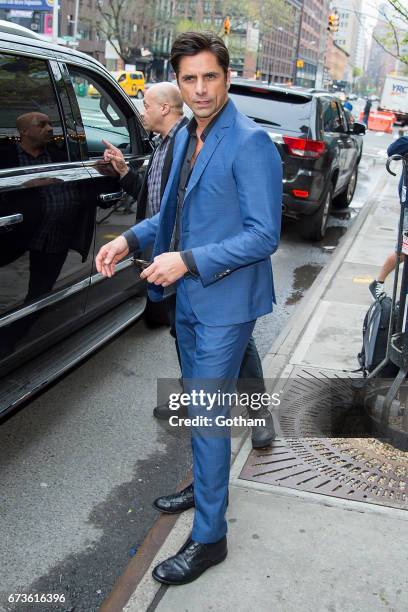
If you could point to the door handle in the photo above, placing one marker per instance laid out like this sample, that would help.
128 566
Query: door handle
111 197
11 220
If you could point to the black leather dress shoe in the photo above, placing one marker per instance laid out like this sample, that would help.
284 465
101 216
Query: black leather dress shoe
177 502
163 412
190 562
262 435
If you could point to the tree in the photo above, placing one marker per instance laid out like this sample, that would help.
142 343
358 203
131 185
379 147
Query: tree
393 36
266 14
129 23
110 24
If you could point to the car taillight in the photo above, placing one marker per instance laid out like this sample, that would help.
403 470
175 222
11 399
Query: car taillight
300 193
303 147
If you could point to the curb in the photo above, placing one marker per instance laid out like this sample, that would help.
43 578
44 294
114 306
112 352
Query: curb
146 591
281 350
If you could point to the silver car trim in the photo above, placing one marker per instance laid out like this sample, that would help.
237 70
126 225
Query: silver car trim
47 301
97 278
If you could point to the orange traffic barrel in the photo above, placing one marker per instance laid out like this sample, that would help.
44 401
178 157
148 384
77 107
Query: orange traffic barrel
380 121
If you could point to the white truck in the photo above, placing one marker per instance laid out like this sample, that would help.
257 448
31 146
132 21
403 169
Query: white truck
394 97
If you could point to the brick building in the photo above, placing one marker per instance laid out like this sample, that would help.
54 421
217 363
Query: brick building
312 43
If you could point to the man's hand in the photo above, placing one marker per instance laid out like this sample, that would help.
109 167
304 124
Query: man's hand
165 270
109 255
115 157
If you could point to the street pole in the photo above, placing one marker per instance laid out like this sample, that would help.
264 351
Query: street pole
75 33
55 9
298 43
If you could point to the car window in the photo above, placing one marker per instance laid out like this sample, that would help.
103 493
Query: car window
349 119
331 118
122 78
343 119
31 131
279 111
101 116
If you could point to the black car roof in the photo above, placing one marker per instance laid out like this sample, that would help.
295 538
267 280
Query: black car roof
239 85
255 87
12 32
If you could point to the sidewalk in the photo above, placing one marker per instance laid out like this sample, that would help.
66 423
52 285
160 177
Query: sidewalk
290 549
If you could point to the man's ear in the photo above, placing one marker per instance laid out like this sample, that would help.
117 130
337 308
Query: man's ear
228 78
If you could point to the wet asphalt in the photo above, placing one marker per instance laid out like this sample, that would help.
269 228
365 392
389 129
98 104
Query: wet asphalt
83 461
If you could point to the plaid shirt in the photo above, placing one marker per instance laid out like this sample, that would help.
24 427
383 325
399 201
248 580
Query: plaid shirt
154 178
58 210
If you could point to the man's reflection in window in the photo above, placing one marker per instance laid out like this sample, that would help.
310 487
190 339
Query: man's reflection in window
36 133
50 241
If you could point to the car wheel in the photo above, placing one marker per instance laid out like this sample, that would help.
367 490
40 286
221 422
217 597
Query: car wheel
343 200
313 227
139 94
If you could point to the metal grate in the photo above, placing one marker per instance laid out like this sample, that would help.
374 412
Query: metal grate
307 458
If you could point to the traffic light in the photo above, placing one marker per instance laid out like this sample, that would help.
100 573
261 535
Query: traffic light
334 21
227 25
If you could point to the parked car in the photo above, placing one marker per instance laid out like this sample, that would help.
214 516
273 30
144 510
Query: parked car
58 203
319 149
131 81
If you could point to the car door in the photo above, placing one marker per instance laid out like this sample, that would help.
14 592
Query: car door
112 117
335 139
46 215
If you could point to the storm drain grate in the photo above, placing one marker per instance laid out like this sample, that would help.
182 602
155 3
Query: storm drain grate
308 457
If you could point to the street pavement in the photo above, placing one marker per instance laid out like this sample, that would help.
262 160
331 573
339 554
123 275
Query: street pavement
290 549
82 462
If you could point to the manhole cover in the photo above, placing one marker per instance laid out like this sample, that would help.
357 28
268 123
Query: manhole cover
323 446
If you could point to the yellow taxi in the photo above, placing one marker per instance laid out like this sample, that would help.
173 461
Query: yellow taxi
131 81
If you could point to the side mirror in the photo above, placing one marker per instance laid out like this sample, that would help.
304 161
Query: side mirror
358 128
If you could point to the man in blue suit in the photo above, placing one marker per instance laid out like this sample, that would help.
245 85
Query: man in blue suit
218 225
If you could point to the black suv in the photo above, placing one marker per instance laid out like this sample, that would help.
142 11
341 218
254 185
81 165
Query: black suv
319 148
59 202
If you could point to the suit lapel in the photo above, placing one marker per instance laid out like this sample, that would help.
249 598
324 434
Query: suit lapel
204 157
179 152
169 158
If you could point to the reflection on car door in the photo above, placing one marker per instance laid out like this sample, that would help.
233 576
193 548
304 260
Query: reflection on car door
108 116
46 215
334 133
349 144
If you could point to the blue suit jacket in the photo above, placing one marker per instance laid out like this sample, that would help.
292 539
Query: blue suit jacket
230 220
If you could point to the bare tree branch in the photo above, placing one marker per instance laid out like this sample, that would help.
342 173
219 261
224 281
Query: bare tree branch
397 6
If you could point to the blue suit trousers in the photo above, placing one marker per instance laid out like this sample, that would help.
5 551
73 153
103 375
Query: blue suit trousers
211 357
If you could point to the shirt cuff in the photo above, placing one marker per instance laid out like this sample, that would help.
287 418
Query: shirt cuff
189 261
126 181
132 241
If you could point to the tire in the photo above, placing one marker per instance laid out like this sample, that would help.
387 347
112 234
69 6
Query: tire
140 94
313 227
343 200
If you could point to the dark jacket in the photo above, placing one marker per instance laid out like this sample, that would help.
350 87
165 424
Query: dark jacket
137 187
74 229
9 156
399 147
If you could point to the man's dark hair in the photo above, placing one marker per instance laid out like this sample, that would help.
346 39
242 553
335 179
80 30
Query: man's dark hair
191 43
